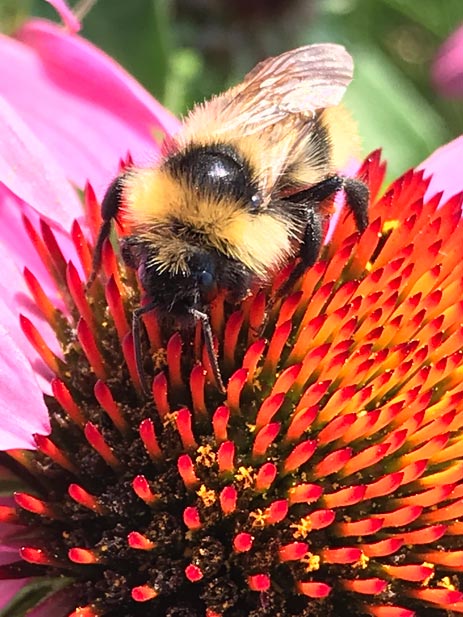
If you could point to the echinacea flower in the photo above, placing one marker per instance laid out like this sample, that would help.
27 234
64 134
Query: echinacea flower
328 480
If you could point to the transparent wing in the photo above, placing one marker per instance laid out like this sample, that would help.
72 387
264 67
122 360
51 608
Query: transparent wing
299 81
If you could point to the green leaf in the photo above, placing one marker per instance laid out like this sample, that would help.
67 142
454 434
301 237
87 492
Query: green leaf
185 68
31 595
391 113
437 17
12 14
136 34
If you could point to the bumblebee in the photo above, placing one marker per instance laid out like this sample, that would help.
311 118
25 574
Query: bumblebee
242 189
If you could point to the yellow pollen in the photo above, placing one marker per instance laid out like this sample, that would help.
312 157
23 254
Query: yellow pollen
160 358
259 518
446 583
245 475
362 563
303 528
312 561
389 226
207 496
170 419
206 456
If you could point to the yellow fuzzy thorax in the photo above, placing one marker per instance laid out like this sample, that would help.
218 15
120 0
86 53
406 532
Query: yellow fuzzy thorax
167 211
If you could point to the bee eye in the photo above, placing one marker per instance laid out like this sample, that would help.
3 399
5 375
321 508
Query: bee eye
256 201
207 286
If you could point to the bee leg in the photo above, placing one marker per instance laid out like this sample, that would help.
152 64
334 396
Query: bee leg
309 251
209 342
136 335
357 199
313 240
109 211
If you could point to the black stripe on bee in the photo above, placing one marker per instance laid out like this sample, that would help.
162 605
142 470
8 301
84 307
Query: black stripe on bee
215 169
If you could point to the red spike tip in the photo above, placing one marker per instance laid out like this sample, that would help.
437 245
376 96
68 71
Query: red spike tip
143 593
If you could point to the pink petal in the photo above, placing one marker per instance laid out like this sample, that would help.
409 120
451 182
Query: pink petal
8 590
69 19
14 239
16 247
22 408
87 110
447 70
9 310
444 167
9 321
8 554
16 252
27 168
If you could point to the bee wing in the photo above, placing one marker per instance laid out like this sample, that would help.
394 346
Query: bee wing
296 82
267 116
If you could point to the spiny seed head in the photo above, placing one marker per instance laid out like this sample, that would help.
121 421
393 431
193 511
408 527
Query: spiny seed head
328 480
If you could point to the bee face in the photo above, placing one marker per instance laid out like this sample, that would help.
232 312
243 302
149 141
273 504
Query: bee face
203 273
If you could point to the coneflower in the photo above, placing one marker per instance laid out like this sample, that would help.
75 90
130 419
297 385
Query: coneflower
328 480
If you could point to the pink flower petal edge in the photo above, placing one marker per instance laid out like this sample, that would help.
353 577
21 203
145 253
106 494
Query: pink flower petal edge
18 252
444 167
29 170
8 554
69 19
23 410
447 70
9 589
80 103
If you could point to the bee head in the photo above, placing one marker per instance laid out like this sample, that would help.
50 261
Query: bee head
192 284
203 271
192 281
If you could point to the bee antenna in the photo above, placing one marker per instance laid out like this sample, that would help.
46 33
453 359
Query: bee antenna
136 334
209 342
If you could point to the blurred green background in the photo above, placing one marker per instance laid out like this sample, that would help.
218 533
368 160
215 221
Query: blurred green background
184 50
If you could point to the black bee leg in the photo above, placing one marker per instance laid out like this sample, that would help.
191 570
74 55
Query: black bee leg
310 248
209 342
313 239
357 200
109 210
357 196
136 334
317 193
